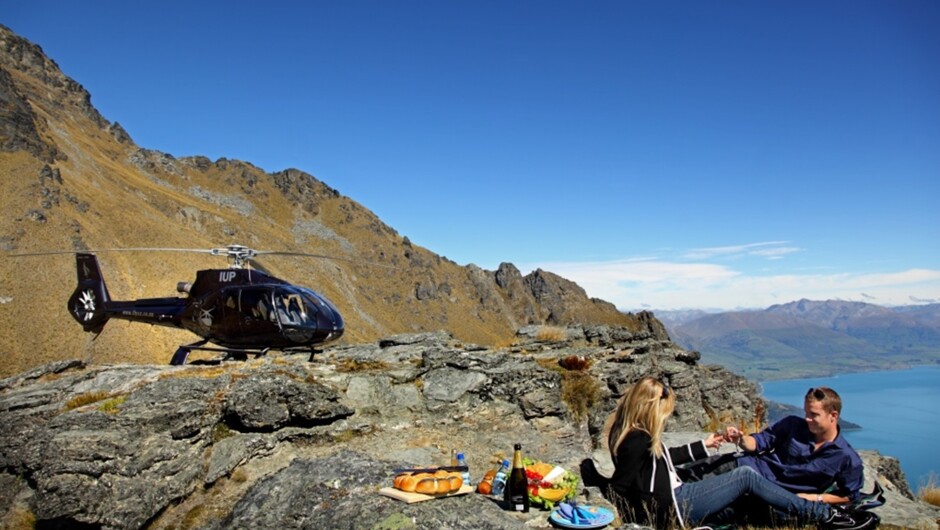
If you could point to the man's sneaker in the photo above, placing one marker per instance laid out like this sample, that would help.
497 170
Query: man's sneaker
867 501
842 520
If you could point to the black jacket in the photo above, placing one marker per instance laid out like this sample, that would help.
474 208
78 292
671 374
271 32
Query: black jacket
642 482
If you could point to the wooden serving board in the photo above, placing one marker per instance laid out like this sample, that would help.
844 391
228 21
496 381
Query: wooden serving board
411 497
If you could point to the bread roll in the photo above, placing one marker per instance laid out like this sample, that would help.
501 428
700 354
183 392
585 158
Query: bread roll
443 486
428 486
408 483
400 478
455 481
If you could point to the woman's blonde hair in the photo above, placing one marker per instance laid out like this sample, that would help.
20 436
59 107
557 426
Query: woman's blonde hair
645 407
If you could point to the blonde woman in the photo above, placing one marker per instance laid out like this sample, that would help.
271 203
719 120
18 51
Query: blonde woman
645 476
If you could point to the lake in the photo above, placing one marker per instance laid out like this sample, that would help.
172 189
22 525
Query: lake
899 412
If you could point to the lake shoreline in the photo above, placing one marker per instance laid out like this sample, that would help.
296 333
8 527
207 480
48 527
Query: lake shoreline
824 373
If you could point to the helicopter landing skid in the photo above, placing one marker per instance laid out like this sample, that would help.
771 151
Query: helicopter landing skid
182 353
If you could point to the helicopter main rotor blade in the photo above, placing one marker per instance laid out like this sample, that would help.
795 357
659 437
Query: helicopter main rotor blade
322 256
239 255
143 249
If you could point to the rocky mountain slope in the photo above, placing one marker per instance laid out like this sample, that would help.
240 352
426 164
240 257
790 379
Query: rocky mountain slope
280 442
831 336
72 180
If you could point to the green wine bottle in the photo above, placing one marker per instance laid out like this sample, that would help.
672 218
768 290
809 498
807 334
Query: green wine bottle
517 487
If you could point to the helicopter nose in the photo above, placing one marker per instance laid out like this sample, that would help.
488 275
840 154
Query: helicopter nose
330 323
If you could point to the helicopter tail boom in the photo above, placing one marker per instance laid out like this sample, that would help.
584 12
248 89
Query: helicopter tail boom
88 301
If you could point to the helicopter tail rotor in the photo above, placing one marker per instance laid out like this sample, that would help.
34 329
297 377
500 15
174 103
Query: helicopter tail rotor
87 303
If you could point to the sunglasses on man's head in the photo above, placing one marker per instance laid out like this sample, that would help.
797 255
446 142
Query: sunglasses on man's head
665 389
817 393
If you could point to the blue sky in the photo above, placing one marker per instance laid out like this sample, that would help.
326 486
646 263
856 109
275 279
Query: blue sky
710 154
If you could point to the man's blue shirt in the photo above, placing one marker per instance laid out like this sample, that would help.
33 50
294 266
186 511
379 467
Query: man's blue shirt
785 455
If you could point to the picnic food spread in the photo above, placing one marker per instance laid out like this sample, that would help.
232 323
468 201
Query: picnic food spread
538 483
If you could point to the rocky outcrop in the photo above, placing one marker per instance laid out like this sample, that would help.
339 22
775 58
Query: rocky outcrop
282 442
29 58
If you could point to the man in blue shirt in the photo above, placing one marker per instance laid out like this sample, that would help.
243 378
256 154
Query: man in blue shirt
808 456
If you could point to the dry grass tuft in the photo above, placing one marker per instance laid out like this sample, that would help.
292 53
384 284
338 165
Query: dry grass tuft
204 372
718 421
194 516
86 399
350 434
504 343
240 475
220 432
18 518
580 392
930 491
549 363
760 413
551 334
110 406
354 365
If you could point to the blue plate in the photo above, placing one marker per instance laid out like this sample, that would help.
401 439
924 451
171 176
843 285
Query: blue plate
603 517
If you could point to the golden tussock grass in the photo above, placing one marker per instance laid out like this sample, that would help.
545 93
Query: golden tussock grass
18 518
220 432
580 392
86 399
930 491
193 517
549 363
204 372
504 343
551 334
111 405
240 475
353 365
718 421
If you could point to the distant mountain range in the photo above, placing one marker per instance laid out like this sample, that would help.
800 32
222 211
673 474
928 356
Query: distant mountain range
810 338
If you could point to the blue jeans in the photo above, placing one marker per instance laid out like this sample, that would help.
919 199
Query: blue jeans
700 500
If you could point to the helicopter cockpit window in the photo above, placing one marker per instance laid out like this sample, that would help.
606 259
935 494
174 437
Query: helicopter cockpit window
313 305
290 308
256 304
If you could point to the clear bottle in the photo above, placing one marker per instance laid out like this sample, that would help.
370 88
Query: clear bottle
461 461
453 458
499 481
517 488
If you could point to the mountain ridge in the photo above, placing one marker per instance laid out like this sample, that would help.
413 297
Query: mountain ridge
75 181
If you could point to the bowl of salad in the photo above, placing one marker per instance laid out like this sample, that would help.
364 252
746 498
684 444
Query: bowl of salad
549 484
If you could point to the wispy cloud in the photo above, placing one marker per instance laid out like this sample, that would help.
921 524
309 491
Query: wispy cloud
672 284
770 249
774 253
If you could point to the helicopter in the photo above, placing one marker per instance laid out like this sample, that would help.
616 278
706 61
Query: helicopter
240 309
